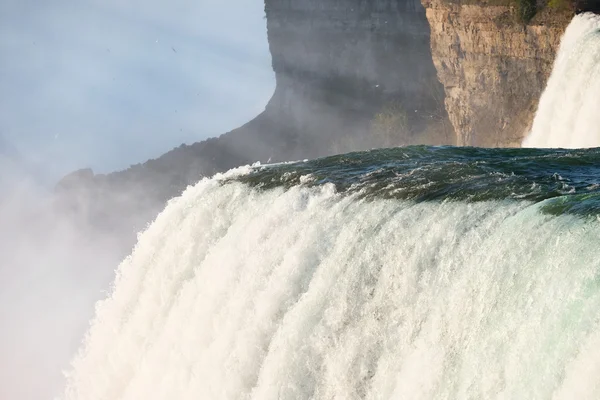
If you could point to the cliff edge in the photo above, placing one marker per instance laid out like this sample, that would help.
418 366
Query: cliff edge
493 65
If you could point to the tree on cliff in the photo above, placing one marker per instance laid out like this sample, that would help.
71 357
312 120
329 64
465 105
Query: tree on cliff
526 10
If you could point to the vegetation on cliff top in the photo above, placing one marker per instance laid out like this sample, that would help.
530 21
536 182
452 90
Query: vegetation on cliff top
526 10
531 11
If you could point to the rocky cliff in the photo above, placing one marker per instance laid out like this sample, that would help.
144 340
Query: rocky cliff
493 66
338 63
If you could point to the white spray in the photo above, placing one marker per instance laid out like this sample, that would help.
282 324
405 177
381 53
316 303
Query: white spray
235 293
568 114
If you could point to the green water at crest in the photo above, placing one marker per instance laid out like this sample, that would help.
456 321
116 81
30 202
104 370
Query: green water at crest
565 181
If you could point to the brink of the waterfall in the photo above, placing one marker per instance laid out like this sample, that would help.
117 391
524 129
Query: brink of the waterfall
417 273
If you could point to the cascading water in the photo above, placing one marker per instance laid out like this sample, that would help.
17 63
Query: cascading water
417 273
568 114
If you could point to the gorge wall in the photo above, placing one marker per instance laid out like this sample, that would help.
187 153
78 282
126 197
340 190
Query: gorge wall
493 67
338 63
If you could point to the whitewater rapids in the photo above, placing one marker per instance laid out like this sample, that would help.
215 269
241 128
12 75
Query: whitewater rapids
568 114
309 292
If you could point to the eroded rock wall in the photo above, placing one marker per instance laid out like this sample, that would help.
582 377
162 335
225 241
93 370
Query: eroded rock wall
493 68
338 62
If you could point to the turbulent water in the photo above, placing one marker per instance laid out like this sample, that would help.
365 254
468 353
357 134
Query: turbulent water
568 114
409 273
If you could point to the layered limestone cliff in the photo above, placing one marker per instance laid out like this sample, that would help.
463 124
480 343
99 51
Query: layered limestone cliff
493 67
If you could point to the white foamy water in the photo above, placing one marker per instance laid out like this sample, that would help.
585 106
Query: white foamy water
568 114
234 293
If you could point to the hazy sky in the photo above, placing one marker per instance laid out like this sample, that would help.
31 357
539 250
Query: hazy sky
109 83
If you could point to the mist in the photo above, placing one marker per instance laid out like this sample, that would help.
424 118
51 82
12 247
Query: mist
102 85
52 272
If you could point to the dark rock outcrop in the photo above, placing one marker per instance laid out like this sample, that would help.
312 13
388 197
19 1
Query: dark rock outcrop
337 63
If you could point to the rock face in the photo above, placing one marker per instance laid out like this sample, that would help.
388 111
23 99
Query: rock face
337 63
493 68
